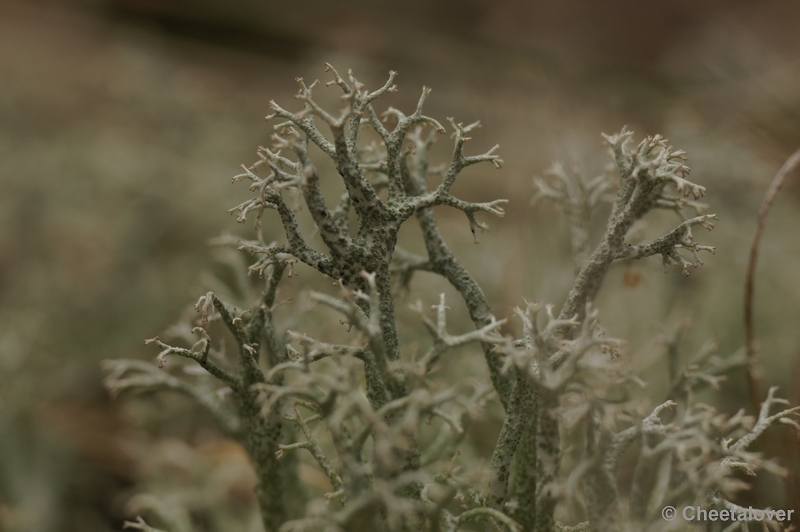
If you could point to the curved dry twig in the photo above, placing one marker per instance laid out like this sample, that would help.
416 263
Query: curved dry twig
749 330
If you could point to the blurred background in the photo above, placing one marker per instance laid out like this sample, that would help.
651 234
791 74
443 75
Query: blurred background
121 123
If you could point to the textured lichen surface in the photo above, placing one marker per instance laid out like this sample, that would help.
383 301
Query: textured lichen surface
359 410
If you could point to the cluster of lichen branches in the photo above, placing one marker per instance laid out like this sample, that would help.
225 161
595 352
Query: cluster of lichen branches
283 391
384 186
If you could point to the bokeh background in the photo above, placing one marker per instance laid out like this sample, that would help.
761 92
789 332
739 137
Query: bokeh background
122 121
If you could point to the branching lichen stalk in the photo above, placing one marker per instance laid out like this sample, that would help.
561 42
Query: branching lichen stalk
357 411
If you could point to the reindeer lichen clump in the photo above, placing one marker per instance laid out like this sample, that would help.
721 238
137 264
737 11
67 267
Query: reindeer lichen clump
358 409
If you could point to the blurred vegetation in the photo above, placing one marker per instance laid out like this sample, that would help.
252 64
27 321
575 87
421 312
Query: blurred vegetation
122 121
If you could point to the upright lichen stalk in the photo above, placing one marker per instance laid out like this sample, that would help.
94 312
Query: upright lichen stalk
383 187
372 246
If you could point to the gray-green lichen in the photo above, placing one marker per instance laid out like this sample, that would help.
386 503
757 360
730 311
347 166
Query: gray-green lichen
563 380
